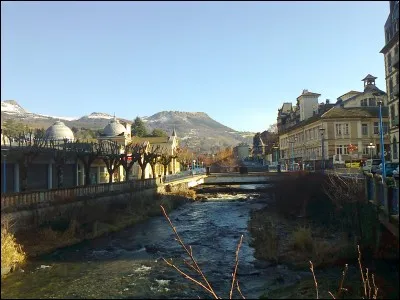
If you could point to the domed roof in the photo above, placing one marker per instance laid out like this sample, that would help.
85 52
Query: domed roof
59 131
114 128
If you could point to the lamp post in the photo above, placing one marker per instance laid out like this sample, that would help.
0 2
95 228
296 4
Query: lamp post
4 169
322 132
381 136
371 146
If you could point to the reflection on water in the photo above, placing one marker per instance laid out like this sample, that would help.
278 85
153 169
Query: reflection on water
128 264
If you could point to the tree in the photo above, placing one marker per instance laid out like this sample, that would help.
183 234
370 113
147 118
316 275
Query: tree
138 128
165 159
29 147
111 157
87 153
148 156
13 129
158 133
129 157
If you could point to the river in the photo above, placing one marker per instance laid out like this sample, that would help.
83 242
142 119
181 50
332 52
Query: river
128 264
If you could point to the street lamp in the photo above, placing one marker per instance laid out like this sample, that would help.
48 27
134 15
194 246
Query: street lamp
381 136
4 169
371 146
322 133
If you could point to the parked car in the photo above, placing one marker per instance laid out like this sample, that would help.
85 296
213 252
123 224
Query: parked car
371 165
389 168
396 173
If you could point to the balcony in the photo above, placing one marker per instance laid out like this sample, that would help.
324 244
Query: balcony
395 61
396 90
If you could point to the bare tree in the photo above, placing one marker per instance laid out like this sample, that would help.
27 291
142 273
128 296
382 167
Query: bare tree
111 157
165 159
148 156
29 147
87 153
129 157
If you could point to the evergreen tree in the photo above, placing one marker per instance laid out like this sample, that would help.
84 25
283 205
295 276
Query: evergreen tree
138 128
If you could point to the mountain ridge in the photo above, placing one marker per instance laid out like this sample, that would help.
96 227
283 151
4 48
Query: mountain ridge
197 130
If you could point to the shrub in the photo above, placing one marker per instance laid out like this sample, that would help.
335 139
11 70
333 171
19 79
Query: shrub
302 239
265 238
11 252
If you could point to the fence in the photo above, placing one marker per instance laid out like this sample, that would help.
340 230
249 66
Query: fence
382 194
184 174
26 199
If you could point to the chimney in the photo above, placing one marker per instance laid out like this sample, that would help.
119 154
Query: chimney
327 101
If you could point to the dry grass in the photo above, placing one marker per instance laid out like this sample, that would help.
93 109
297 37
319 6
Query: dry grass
370 290
11 252
302 239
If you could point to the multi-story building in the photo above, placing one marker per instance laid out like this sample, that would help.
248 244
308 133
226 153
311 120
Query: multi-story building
324 132
391 55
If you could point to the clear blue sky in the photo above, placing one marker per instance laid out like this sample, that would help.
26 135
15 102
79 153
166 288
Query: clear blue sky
236 61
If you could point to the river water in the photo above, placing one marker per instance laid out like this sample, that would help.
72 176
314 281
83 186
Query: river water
128 264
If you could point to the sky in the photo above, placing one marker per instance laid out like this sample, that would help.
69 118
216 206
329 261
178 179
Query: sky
236 61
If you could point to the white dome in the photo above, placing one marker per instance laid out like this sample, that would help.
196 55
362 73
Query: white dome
114 128
59 131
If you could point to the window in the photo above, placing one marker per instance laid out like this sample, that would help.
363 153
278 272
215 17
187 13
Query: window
395 149
376 127
364 102
341 149
364 129
384 125
338 129
366 150
372 102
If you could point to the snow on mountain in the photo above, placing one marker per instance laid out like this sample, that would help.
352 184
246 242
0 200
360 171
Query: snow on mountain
61 118
97 115
12 107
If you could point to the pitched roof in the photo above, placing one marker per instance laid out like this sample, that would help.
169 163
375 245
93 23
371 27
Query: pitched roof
151 140
369 76
355 112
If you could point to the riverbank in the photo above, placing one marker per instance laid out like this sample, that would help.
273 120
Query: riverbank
287 233
95 222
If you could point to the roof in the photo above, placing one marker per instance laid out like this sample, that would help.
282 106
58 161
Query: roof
355 112
351 92
151 140
307 93
59 131
114 128
369 77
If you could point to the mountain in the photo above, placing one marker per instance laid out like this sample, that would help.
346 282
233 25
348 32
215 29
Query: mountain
196 130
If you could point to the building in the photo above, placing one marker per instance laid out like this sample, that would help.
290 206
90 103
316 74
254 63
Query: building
169 145
242 151
391 57
323 132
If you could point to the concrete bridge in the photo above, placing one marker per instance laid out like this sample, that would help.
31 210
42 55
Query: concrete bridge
235 178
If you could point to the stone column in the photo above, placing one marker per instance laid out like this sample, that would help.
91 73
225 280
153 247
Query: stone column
50 176
16 177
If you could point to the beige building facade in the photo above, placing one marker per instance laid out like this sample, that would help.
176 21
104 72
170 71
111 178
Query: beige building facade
327 134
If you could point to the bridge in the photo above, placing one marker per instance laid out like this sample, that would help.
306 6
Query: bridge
235 178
